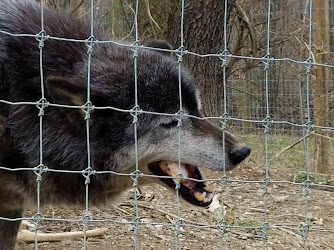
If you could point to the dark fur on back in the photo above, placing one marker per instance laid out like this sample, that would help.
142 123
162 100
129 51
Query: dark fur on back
112 84
160 44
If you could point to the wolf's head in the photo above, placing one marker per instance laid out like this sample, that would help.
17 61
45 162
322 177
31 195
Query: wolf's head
160 86
169 131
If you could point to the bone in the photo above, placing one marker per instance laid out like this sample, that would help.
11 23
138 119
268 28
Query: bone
200 196
208 198
211 188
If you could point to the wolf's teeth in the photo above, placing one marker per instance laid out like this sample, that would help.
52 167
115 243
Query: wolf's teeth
177 179
211 188
185 183
200 196
164 166
206 199
173 172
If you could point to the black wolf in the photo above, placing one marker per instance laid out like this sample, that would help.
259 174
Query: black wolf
111 131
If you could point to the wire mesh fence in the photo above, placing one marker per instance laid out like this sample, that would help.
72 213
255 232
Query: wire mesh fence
276 98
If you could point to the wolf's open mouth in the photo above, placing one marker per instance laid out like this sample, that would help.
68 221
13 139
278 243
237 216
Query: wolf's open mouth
195 192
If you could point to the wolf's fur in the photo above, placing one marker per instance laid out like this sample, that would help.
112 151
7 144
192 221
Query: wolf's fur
111 132
161 44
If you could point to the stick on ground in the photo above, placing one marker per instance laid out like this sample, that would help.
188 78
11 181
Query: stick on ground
28 236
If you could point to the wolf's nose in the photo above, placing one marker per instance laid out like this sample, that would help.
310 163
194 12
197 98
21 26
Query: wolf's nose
238 155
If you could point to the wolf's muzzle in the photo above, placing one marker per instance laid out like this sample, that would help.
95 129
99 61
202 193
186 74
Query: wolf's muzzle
238 155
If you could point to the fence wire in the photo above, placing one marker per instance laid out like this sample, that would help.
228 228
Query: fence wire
224 181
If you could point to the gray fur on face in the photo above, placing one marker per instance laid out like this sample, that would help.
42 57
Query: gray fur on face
198 148
199 100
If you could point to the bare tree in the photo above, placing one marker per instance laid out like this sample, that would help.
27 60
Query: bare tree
321 44
203 33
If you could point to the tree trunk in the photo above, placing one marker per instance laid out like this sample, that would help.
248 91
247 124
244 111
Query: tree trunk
115 21
245 109
77 7
203 33
74 7
321 44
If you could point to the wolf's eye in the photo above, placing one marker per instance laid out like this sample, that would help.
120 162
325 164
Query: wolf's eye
169 124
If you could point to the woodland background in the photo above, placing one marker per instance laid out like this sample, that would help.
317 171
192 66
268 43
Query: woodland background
246 36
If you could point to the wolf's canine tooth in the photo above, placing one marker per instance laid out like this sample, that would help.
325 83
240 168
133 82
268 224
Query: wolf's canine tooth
200 196
211 188
173 168
186 183
207 199
173 172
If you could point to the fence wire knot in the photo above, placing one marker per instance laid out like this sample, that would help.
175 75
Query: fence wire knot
87 173
223 119
178 225
90 42
41 104
306 185
224 56
264 229
86 219
178 179
303 229
135 222
134 176
222 181
41 37
88 107
222 226
266 182
308 127
179 115
266 59
39 170
134 112
180 52
135 49
266 122
36 219
309 63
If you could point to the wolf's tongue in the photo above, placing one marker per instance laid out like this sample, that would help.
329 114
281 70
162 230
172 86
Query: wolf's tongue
200 196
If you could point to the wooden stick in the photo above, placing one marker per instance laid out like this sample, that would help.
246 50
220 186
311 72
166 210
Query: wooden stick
292 145
324 136
301 139
28 236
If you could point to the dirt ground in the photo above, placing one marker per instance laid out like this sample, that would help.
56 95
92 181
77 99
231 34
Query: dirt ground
244 214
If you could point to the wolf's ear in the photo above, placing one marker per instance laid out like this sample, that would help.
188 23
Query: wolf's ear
68 92
65 91
159 44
